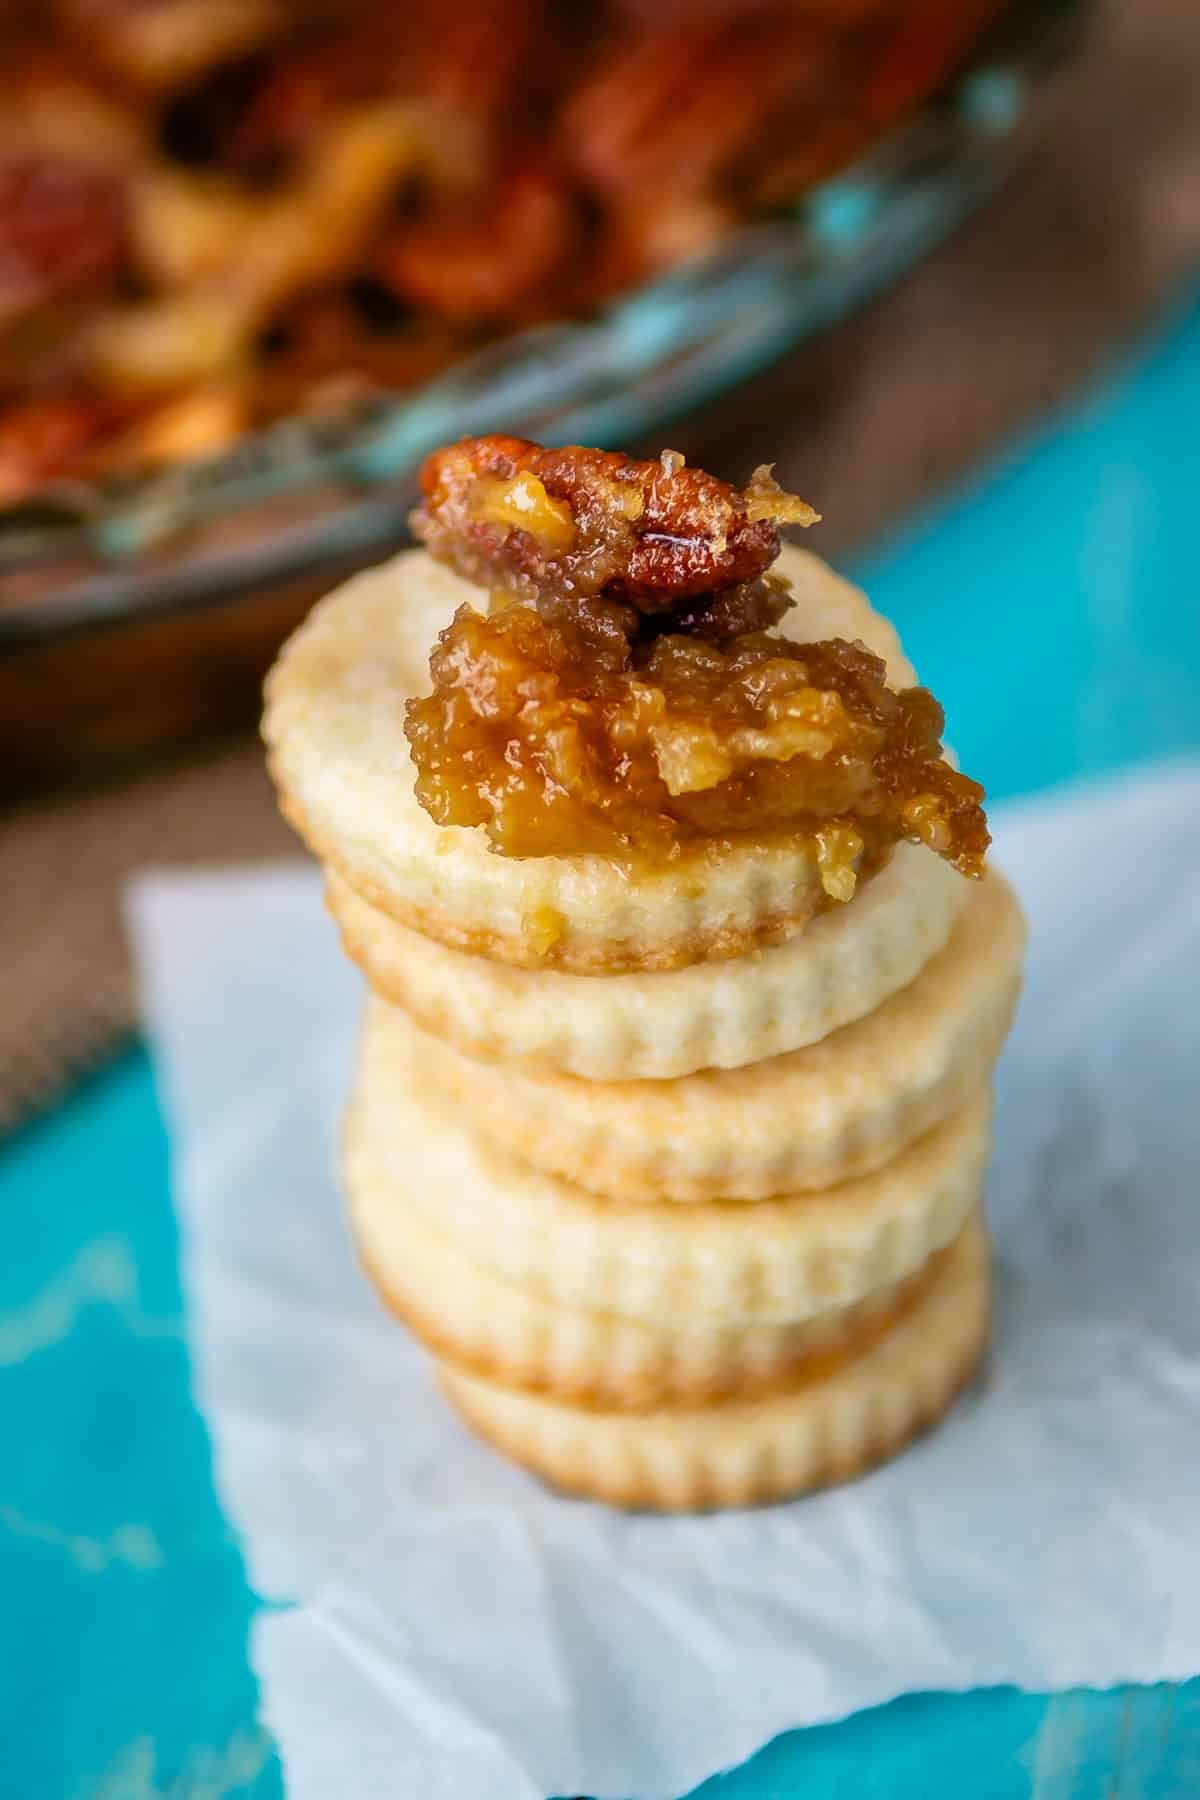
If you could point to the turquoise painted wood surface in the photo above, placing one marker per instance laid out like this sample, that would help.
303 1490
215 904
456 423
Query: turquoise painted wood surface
124 1610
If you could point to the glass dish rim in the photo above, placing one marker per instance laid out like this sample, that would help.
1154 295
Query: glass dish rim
691 334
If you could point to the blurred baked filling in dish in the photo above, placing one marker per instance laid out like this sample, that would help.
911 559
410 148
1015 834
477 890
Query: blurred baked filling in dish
219 213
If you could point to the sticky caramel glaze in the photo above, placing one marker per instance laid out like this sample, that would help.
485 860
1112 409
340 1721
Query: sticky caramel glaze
608 704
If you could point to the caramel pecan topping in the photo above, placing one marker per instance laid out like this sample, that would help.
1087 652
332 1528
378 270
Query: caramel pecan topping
507 513
628 695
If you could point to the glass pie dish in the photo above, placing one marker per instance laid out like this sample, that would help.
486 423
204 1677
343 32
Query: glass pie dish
139 610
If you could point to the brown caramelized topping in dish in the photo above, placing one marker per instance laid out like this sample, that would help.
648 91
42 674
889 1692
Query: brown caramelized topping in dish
627 693
218 213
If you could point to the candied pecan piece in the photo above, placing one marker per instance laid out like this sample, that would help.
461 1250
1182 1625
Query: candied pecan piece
50 103
479 55
560 523
466 67
645 234
292 101
903 57
490 259
669 108
62 227
44 438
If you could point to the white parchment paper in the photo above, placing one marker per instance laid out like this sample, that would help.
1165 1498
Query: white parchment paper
446 1627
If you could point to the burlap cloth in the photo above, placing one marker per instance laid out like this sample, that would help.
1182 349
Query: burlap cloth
1099 225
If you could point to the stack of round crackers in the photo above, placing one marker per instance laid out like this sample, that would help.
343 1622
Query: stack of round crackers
678 1171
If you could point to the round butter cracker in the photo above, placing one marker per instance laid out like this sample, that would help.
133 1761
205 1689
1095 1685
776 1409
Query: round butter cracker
334 726
772 1261
827 1113
746 1452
